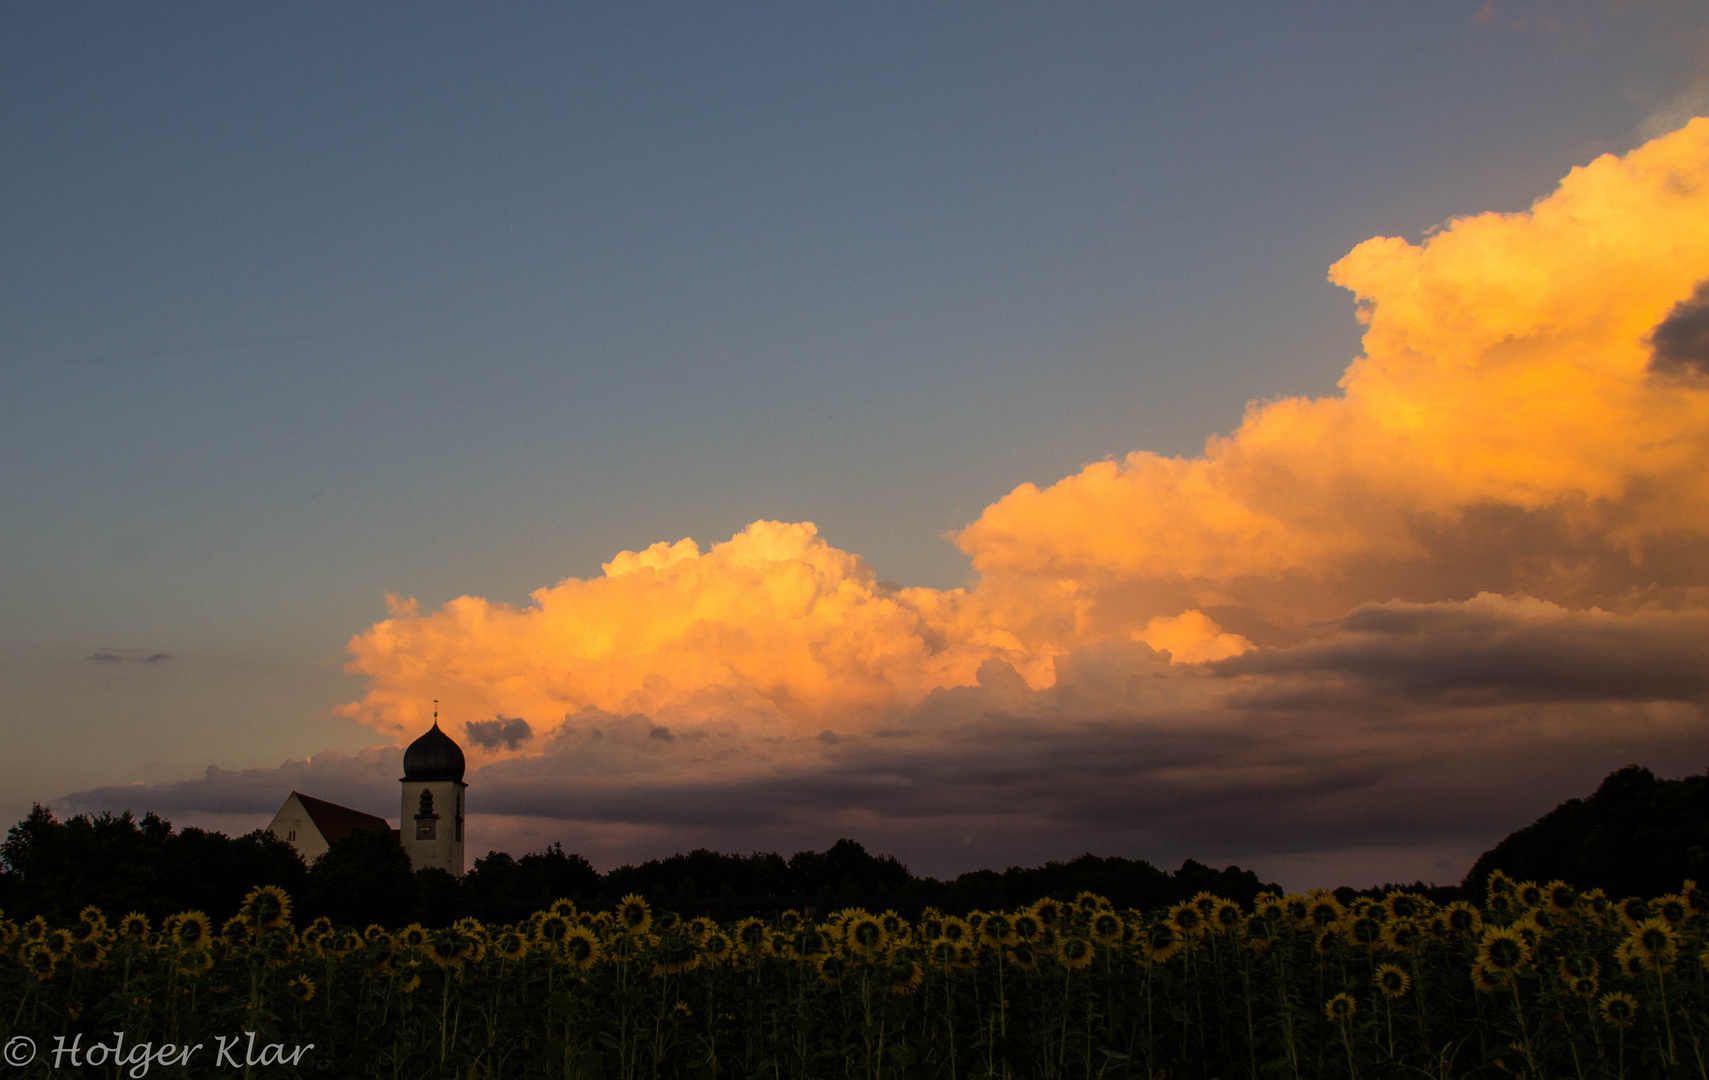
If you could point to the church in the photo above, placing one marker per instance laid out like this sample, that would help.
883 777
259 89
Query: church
431 812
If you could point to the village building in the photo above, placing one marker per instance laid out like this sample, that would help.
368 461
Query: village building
312 825
431 811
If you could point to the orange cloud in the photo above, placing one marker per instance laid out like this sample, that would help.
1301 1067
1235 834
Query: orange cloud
1505 377
1503 431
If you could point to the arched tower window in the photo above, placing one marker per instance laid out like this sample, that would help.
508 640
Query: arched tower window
426 821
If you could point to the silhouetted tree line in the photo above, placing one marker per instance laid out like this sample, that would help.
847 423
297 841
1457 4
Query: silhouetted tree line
1636 835
123 864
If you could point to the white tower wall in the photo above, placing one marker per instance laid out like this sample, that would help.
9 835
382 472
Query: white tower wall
434 838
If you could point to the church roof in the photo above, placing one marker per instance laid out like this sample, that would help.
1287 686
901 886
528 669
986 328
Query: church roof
434 756
335 821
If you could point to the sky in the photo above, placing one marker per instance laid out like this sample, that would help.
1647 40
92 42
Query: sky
986 432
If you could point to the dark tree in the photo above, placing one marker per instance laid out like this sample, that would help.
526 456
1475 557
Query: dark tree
1635 836
363 878
121 865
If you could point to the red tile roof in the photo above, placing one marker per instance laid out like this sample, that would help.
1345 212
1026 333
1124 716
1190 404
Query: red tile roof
335 821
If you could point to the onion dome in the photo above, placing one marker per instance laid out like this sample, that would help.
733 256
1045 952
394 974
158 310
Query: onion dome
434 756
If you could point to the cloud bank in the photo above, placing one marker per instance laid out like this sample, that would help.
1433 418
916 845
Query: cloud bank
1417 611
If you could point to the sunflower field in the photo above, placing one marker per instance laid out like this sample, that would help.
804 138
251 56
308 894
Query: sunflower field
1539 981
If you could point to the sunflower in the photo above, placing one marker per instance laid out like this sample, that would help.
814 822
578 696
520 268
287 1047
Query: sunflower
1560 898
1326 939
1463 918
1269 906
810 942
1364 931
413 936
90 925
35 929
1629 961
1632 911
1530 894
195 962
58 942
865 936
904 976
750 935
1577 965
1486 979
1391 981
1089 902
134 927
1503 949
1405 905
943 954
996 929
1618 1008
634 915
564 906
411 985
1529 929
1075 953
1161 942
1340 1008
1593 904
831 968
1226 915
1696 899
1298 908
1025 926
1051 911
88 954
894 925
303 988
1186 918
512 945
1022 954
955 931
1672 908
1260 932
1107 927
1322 909
718 946
1401 936
580 947
1584 986
267 905
1654 940
1498 884
38 961
678 955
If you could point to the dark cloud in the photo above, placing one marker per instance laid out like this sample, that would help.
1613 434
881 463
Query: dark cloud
1493 649
1680 342
128 656
1407 727
366 781
508 732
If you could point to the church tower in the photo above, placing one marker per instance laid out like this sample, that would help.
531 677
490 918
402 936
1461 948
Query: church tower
431 825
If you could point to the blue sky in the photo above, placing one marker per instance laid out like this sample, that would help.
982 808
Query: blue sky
301 304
